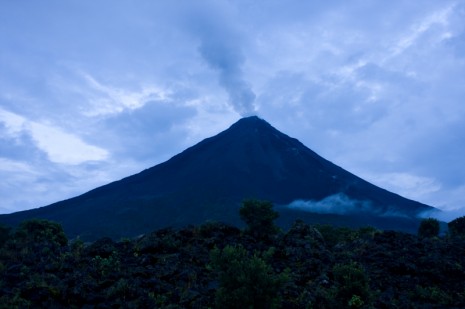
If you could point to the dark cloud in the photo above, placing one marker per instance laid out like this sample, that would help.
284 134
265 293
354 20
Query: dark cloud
329 104
151 132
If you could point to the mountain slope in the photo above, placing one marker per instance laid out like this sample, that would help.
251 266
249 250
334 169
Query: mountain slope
208 181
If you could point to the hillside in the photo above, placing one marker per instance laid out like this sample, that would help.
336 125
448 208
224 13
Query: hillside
209 180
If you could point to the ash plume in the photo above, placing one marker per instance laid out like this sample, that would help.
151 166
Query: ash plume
227 60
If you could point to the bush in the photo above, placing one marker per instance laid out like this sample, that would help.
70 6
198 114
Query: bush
41 231
245 281
457 227
352 283
259 217
428 228
4 234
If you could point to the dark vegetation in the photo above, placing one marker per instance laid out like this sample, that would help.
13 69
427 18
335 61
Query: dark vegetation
217 265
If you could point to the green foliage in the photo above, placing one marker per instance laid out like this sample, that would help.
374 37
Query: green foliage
353 288
4 234
41 231
36 241
177 268
457 227
334 235
259 217
428 228
432 294
355 302
106 265
246 281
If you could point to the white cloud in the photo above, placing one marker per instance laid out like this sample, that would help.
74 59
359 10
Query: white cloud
334 204
341 204
63 147
7 165
37 183
14 124
107 100
437 18
60 146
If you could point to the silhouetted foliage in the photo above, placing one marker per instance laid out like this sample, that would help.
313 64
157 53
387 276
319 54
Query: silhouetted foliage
352 290
41 231
457 227
4 234
246 281
428 228
259 217
219 265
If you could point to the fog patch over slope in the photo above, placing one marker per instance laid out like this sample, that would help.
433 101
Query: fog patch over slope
341 204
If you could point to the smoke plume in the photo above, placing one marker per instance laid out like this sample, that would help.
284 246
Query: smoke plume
221 47
227 60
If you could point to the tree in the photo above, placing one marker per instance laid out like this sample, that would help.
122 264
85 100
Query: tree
37 239
41 231
246 281
259 217
428 228
4 234
353 289
457 227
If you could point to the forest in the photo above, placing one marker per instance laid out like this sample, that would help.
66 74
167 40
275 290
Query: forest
215 265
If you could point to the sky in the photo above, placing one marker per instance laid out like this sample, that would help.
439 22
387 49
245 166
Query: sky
94 91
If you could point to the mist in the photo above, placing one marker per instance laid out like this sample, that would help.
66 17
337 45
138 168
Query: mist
444 215
341 204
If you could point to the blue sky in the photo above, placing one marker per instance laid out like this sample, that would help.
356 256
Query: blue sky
93 91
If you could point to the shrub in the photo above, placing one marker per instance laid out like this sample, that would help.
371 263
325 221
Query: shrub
41 231
259 217
352 282
457 227
245 281
4 234
428 228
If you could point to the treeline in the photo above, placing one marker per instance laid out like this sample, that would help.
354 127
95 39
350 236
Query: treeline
216 265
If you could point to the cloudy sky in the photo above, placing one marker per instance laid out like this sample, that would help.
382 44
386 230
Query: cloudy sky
93 91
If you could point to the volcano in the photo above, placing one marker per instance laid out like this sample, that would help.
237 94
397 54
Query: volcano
208 182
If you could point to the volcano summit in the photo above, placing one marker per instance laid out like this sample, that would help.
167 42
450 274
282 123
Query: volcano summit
208 181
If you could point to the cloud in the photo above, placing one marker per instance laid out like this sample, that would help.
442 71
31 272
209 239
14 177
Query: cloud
444 215
408 185
106 100
60 146
417 30
148 132
341 204
35 182
63 147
